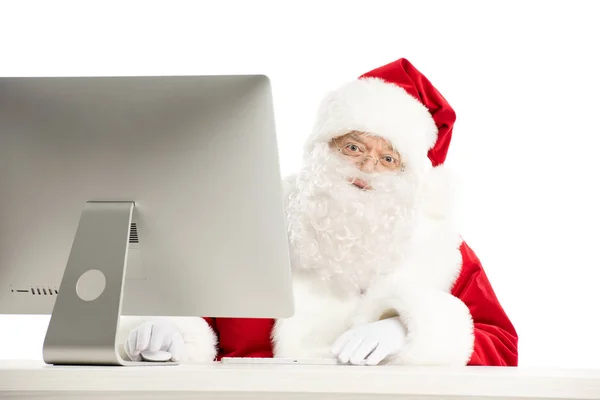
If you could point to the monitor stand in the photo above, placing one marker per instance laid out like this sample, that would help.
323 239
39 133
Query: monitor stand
85 319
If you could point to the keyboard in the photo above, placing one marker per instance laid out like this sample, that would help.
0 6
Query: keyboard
280 361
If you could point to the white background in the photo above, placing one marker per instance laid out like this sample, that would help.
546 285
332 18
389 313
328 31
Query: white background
524 78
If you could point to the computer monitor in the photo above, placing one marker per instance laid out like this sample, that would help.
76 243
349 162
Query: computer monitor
157 196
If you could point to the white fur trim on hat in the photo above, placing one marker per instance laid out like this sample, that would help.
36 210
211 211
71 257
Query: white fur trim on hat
374 106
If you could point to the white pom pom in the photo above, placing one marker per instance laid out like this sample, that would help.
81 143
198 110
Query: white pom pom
438 193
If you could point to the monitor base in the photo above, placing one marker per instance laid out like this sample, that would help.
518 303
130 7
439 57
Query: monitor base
85 319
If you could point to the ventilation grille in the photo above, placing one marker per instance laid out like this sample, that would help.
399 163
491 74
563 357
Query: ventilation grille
37 291
53 291
133 234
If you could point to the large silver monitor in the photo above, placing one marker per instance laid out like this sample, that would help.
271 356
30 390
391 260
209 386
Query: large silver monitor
138 196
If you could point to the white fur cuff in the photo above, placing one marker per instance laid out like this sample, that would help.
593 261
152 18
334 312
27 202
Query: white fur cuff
200 340
439 325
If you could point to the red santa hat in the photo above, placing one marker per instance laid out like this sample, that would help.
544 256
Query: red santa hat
396 102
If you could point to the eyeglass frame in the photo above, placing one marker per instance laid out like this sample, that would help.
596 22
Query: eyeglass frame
367 156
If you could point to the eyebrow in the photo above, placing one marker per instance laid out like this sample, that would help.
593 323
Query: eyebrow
387 145
353 136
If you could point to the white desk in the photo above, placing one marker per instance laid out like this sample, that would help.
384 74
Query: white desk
34 380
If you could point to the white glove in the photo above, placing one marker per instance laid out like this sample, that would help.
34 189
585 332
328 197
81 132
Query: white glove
370 344
155 336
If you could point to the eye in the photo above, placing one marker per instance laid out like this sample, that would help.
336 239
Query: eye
353 149
388 160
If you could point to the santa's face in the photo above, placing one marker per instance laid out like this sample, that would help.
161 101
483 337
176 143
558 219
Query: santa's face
353 209
369 153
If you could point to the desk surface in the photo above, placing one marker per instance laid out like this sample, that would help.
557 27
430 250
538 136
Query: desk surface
32 379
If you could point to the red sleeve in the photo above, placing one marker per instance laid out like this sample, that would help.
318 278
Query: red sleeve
496 339
242 337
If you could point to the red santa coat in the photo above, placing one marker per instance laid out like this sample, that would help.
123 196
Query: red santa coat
495 338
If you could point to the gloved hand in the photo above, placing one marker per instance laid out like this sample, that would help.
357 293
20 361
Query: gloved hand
154 336
372 342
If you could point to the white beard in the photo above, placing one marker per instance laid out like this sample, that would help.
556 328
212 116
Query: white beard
347 235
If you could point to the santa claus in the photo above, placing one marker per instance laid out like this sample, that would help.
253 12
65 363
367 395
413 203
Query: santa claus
380 274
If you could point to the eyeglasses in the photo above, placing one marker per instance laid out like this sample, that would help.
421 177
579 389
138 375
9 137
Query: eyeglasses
357 153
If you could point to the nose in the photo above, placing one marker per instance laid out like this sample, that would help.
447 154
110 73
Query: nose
368 165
